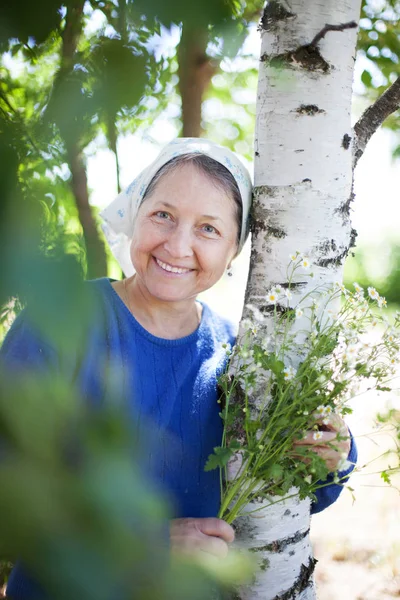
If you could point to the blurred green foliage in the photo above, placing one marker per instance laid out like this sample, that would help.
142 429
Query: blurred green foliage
377 266
379 47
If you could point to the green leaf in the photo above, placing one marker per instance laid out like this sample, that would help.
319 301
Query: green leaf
220 458
366 78
276 472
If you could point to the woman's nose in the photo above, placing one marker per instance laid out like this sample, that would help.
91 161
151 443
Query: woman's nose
179 243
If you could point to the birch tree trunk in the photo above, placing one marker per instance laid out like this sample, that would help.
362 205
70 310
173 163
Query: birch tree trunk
302 195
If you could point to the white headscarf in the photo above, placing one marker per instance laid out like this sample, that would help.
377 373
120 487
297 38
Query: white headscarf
119 216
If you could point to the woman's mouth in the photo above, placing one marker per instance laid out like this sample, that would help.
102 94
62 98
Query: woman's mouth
170 268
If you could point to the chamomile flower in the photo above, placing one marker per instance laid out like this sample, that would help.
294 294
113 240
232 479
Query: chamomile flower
317 435
293 257
343 464
358 288
372 293
278 290
288 373
320 411
382 302
288 294
305 262
272 297
299 313
390 336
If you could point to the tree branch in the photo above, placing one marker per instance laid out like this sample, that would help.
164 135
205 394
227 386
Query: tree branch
327 28
373 118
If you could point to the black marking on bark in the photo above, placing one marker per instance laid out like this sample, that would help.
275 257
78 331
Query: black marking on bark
344 209
273 12
346 141
306 180
279 308
309 109
264 190
287 512
280 545
265 563
307 57
257 153
301 583
261 218
275 232
353 237
243 528
333 261
300 150
327 246
294 285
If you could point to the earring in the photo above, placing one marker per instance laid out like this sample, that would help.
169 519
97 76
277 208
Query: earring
229 272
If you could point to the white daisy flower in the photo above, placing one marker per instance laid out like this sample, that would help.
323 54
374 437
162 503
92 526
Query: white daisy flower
288 294
272 297
299 313
343 464
305 262
293 257
358 288
317 435
288 373
372 293
382 302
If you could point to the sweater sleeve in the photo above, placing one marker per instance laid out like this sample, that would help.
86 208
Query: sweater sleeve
25 350
328 494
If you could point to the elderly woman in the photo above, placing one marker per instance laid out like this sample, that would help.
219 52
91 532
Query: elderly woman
174 231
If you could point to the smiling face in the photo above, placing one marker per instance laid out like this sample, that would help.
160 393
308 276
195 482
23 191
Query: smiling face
185 235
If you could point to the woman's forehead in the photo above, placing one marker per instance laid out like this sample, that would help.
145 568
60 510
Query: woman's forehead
187 184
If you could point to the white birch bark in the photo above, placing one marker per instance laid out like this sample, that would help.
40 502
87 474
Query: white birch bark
303 189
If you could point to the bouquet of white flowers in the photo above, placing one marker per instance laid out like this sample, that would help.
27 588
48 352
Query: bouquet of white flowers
259 458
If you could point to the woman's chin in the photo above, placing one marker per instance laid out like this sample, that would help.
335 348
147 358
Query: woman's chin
166 294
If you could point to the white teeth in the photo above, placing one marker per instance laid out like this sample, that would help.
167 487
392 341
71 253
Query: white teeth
167 267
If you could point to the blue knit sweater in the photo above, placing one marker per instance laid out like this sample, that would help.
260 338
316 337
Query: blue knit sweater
171 384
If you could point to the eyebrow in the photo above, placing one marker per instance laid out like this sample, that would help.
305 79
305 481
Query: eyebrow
209 217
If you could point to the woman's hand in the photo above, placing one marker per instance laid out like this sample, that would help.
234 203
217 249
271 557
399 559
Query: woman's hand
210 535
333 443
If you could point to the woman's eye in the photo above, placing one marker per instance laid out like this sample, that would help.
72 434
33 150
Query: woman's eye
162 214
209 229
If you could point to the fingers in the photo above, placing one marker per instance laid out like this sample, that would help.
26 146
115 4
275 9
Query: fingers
217 528
209 535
